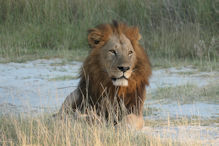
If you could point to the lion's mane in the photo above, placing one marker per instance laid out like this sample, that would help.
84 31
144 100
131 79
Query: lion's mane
94 81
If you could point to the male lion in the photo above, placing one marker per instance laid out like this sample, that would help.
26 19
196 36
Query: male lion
113 77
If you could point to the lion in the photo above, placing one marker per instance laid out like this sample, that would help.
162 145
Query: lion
117 70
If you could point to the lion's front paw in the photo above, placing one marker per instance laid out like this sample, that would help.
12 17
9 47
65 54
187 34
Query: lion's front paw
133 121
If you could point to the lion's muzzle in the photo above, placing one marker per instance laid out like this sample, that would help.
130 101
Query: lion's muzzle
121 81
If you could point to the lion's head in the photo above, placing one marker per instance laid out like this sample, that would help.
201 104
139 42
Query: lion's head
116 47
118 59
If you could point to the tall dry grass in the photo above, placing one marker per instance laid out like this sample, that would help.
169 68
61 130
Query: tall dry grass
45 130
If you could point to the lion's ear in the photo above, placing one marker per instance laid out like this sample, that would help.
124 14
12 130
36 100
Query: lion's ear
134 34
94 37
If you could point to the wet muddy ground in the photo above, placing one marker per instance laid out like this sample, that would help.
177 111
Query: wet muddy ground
174 95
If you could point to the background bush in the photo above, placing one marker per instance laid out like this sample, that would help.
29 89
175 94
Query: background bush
169 28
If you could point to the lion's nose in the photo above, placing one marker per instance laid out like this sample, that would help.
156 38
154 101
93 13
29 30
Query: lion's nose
123 69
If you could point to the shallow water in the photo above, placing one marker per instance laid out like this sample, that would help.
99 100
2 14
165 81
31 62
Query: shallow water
204 135
28 84
32 87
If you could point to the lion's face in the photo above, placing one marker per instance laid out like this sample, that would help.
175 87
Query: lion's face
116 49
118 59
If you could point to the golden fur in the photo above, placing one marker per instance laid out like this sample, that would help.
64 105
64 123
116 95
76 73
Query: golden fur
96 85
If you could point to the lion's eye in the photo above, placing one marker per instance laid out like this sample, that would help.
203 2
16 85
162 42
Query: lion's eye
130 52
113 52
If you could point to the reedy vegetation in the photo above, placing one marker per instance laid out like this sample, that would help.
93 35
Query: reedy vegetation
170 28
45 130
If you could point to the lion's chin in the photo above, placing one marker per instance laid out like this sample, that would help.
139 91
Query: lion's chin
120 82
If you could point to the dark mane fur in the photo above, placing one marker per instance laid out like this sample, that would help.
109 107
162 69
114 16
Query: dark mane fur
94 82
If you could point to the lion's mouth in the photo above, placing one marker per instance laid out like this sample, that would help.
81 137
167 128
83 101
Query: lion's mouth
122 77
121 81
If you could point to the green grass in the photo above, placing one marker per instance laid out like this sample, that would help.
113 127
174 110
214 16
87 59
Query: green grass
185 94
22 55
61 78
200 64
170 28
